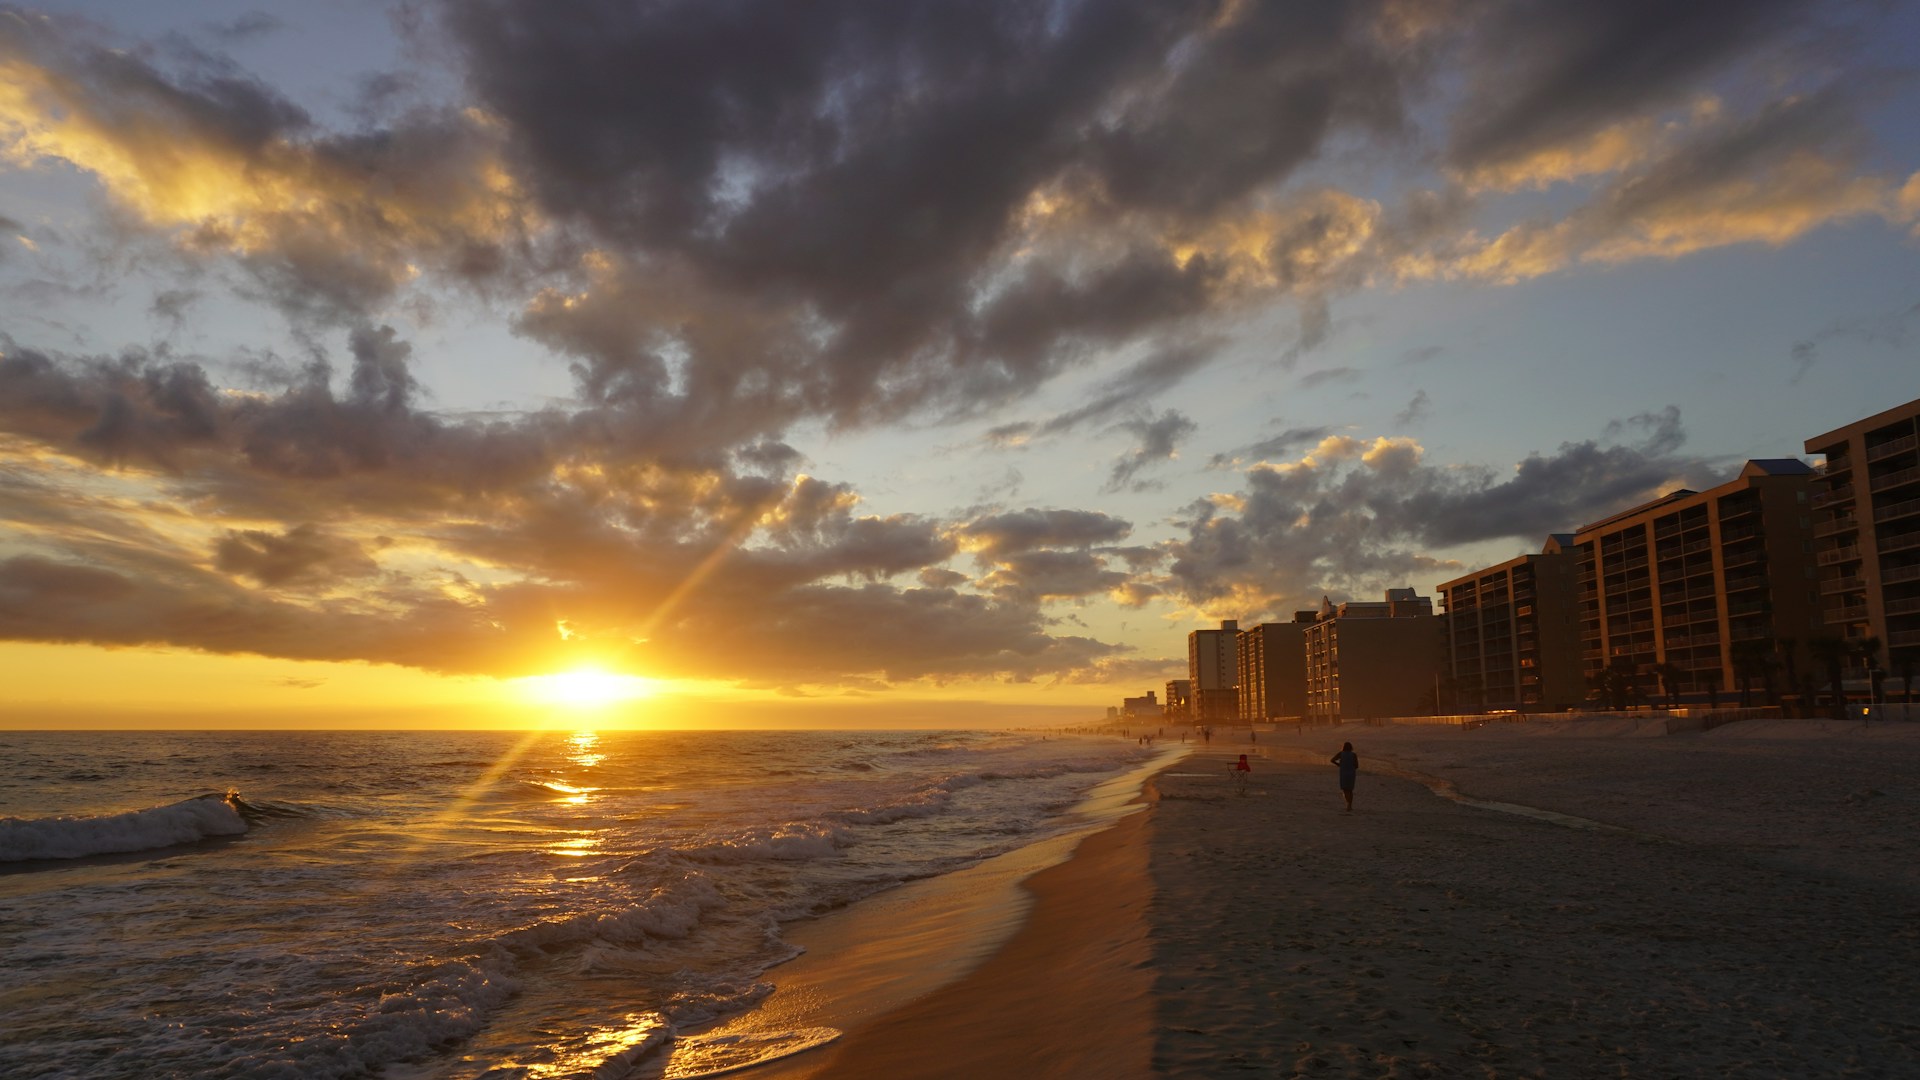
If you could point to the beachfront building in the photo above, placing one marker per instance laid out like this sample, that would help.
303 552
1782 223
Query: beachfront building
1867 534
1140 708
1373 658
1213 667
1272 673
1179 701
1512 634
1683 589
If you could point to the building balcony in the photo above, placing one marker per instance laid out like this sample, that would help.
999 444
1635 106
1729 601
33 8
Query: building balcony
1843 493
1729 536
1904 638
1888 449
1742 558
1843 614
1836 525
1848 583
1841 555
1903 607
1898 510
1897 575
1747 607
1901 542
1894 479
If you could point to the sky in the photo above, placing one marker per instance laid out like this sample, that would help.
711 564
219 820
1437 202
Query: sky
895 363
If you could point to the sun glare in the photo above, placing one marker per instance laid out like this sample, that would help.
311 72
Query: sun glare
585 688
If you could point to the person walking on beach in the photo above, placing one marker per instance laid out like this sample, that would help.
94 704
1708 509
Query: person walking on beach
1349 763
1242 770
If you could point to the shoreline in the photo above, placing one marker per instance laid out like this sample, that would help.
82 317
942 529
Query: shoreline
1743 910
1055 925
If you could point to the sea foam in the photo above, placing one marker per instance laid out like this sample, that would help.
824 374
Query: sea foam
156 827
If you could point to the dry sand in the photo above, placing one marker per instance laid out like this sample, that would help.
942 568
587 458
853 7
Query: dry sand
1744 902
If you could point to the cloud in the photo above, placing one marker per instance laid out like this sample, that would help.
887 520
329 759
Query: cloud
1561 77
1885 328
252 24
1768 179
468 539
1354 517
1028 530
1278 446
1159 440
328 226
1326 376
304 553
1417 410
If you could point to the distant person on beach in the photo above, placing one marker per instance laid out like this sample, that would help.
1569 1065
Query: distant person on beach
1242 770
1349 763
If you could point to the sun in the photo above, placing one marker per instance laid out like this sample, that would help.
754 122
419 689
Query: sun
586 688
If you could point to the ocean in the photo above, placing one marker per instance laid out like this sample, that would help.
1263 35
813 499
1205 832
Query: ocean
462 904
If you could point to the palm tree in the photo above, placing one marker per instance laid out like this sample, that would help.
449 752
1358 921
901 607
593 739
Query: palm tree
1610 686
1788 654
1670 680
1904 668
1750 658
1832 653
1711 677
1867 651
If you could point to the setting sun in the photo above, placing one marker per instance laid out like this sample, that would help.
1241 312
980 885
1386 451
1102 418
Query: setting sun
586 688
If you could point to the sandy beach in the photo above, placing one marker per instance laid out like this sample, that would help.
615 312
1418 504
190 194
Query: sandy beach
1546 899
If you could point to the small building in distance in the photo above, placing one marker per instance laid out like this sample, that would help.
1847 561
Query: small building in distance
1694 581
1272 675
1140 708
1512 634
1373 658
1213 667
1179 701
1866 525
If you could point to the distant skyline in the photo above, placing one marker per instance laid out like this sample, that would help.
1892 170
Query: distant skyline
762 362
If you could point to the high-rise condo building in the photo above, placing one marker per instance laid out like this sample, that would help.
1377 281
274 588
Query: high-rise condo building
1373 658
1867 528
1684 589
1512 634
1213 666
1273 669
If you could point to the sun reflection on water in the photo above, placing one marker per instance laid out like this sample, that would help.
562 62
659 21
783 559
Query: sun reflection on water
583 746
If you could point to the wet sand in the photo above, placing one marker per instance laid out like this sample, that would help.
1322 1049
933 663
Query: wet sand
1735 903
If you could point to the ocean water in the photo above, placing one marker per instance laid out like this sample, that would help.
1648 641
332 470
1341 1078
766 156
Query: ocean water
461 904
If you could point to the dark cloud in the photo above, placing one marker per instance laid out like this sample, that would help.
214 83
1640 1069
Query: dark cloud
1050 574
1887 328
253 24
172 304
1417 410
1548 73
1325 376
623 548
1358 516
304 554
1027 530
1281 446
1422 354
1159 440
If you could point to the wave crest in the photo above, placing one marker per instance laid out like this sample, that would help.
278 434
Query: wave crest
185 822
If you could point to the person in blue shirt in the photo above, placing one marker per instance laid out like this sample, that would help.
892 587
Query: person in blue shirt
1349 763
